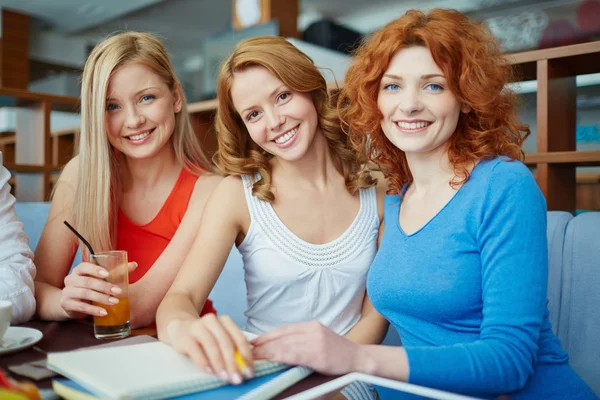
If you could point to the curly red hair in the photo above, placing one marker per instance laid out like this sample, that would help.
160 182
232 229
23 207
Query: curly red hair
476 72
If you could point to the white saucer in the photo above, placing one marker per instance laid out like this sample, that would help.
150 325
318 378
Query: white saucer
18 338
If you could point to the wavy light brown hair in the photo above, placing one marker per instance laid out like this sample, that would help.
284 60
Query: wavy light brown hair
238 154
476 73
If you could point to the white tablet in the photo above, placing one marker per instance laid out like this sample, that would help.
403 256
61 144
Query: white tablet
356 386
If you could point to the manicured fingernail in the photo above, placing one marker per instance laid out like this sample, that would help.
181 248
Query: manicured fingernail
236 379
209 370
113 300
116 290
248 373
103 273
223 376
103 312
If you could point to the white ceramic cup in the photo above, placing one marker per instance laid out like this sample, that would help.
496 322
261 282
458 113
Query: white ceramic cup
5 316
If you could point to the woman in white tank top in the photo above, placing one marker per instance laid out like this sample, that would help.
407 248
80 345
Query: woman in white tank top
298 205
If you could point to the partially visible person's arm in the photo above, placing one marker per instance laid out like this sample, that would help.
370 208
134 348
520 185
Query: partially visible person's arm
372 327
209 341
62 295
146 294
56 248
315 346
16 259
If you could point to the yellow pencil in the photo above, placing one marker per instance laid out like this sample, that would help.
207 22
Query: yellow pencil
240 362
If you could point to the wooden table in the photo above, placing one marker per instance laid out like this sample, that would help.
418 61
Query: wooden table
71 335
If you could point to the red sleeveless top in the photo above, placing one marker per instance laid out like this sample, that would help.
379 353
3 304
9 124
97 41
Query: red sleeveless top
145 243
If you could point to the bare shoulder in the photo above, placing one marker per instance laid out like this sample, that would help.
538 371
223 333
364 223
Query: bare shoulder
381 189
219 192
70 172
66 186
230 189
229 196
207 183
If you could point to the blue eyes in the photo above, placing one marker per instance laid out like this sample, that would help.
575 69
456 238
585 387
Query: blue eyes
431 87
434 87
144 99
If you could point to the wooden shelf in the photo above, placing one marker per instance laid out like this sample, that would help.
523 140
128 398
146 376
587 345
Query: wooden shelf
588 178
23 98
557 157
203 106
555 52
578 59
35 127
7 138
65 132
579 158
31 169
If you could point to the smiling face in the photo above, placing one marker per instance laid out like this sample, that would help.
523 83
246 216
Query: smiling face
419 112
140 111
280 120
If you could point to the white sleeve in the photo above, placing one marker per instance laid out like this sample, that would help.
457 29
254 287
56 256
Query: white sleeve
17 270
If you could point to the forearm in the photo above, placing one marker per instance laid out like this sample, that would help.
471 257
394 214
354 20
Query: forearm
371 329
146 295
175 307
48 302
16 286
385 361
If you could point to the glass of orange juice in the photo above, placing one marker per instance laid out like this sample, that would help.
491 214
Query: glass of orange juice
115 324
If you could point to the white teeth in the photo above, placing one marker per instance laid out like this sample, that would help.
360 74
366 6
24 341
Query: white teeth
140 136
284 138
413 125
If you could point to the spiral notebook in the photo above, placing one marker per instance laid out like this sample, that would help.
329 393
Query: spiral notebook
153 371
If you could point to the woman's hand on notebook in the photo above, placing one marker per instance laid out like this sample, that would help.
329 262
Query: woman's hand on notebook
85 285
308 344
211 342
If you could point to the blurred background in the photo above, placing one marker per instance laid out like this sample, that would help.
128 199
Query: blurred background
44 45
199 33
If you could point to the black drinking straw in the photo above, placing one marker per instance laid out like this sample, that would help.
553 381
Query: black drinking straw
89 246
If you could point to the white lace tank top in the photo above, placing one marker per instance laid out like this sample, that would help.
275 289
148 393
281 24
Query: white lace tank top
289 280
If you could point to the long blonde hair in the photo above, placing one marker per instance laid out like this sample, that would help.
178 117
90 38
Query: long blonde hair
96 198
238 154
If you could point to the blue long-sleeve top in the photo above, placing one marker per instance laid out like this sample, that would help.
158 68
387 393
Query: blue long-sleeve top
467 291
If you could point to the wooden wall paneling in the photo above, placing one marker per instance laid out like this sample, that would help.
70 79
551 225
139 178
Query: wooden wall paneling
7 147
65 143
556 125
46 109
203 124
286 12
14 61
588 196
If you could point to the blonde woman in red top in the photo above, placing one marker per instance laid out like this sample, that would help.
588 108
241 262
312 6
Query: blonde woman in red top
139 184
